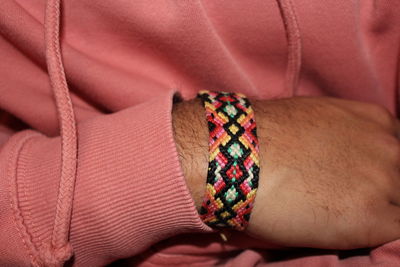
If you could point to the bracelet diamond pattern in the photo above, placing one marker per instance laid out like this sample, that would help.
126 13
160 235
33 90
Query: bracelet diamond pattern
233 170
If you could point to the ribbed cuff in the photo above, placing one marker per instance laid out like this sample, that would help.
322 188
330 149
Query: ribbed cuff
130 190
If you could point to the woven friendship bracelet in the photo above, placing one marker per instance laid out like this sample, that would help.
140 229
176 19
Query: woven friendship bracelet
233 168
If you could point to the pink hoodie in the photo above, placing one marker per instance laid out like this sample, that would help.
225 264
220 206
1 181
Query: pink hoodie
93 176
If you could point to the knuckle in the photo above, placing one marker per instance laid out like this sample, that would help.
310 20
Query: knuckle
379 109
382 114
389 148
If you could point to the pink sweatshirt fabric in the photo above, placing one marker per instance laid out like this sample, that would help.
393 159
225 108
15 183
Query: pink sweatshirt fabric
89 171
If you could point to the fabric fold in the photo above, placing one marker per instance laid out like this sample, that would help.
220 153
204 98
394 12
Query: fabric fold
130 188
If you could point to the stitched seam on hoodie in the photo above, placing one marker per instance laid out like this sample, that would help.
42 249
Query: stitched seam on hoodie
294 45
296 61
29 222
13 194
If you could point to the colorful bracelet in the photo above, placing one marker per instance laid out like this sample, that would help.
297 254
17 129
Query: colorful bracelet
233 168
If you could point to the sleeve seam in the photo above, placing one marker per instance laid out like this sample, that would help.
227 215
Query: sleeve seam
12 167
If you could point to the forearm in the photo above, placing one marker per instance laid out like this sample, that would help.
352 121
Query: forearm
130 192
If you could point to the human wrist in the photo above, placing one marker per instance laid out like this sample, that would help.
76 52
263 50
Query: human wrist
191 132
191 137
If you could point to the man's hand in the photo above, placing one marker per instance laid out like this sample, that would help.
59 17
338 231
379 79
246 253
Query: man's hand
329 171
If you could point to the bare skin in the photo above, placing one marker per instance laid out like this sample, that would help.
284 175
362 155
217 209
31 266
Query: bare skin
329 170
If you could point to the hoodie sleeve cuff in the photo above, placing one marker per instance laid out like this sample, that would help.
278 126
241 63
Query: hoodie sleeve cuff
130 191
